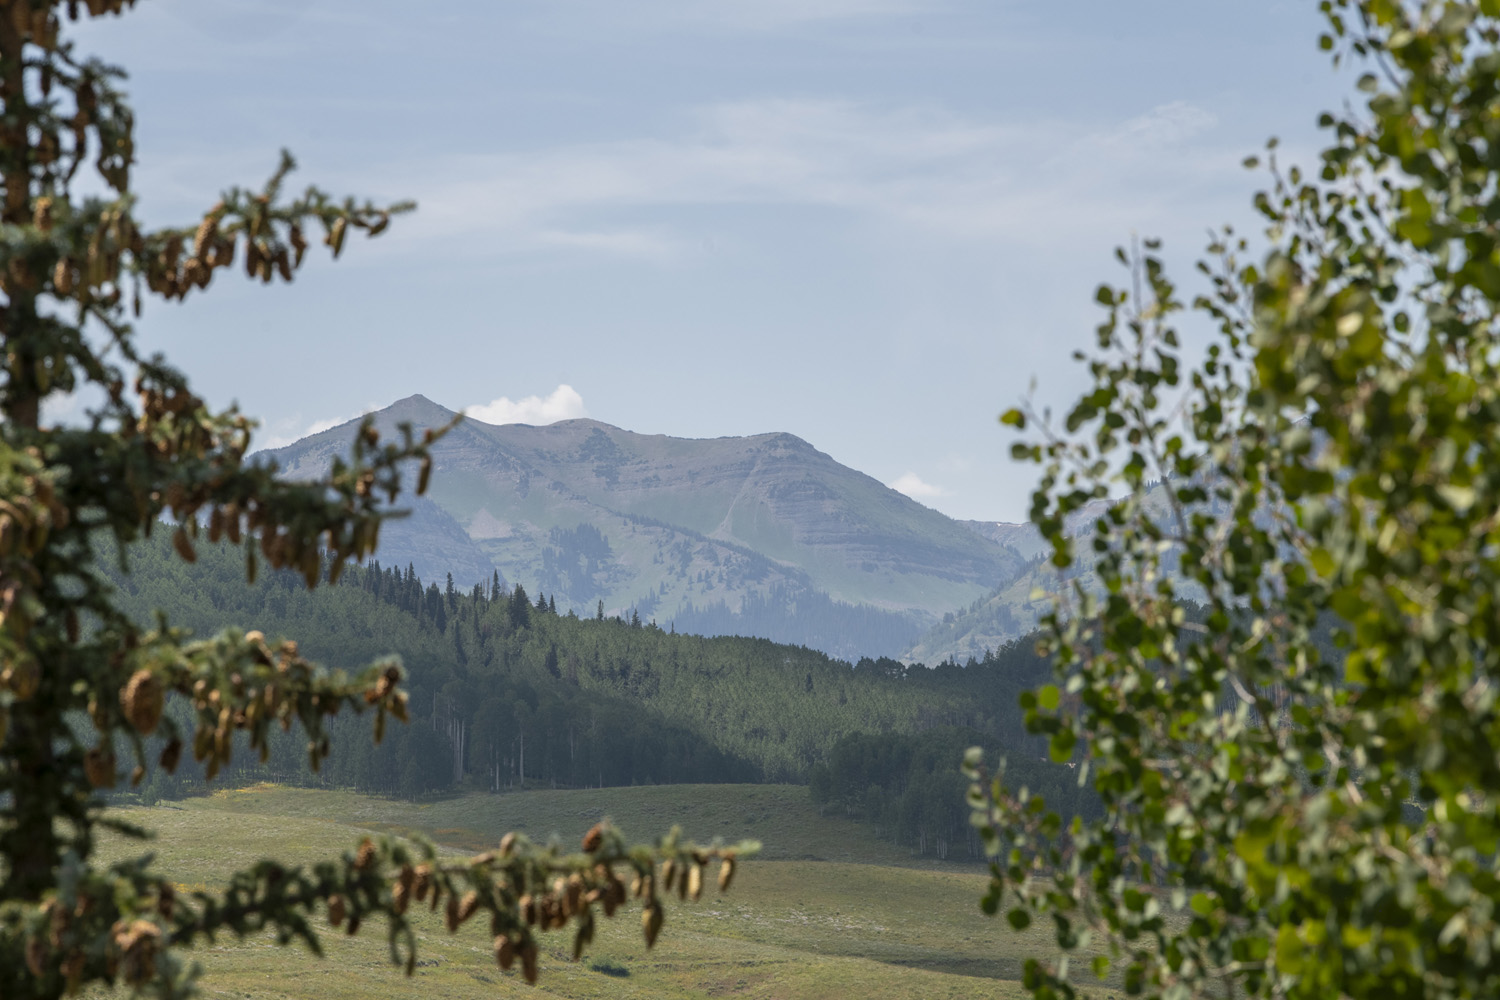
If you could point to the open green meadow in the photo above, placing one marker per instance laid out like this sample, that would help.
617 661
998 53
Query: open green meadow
827 909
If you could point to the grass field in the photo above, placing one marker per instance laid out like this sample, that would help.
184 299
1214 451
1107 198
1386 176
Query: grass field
826 910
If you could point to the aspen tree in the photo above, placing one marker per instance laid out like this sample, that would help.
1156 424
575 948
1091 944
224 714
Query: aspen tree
1287 816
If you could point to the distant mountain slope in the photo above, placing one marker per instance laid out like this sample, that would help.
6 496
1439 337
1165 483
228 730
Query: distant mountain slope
432 542
1010 610
1006 613
676 526
1023 538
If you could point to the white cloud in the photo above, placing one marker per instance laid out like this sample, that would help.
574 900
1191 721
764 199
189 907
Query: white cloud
920 167
274 441
1166 124
913 486
65 409
563 403
319 426
291 430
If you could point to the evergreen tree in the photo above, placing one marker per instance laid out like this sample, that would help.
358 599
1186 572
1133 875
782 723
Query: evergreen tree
520 608
78 677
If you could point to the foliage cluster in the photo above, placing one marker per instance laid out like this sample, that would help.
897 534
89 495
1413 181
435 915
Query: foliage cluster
1323 824
907 786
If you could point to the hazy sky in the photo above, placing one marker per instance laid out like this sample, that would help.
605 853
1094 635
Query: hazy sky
870 223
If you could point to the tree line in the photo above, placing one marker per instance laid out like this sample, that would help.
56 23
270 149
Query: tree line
506 692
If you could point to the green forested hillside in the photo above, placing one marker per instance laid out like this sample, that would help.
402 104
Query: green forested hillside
506 692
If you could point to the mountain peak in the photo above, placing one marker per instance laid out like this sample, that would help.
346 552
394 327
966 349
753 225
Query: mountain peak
419 409
759 534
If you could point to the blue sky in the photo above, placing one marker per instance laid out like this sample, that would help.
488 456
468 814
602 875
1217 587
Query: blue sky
870 223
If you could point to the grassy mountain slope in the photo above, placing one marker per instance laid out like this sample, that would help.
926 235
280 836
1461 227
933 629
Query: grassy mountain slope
664 525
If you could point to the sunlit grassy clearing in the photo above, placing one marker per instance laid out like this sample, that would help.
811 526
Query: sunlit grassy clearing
788 928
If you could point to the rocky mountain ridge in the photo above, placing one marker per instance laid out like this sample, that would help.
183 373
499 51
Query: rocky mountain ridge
763 535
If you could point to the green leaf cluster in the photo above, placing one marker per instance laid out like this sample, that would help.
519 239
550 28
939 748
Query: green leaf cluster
1281 819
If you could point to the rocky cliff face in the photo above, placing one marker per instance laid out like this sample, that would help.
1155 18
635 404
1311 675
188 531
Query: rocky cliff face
667 526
